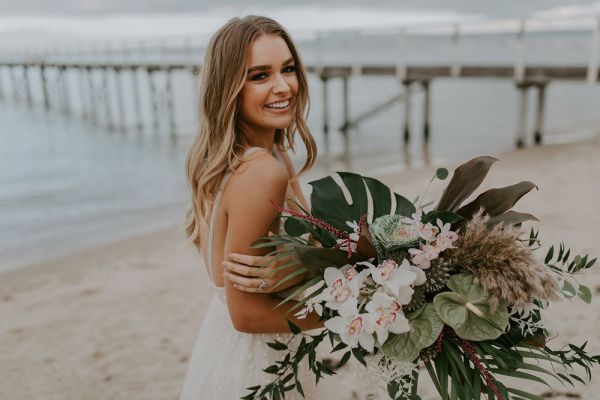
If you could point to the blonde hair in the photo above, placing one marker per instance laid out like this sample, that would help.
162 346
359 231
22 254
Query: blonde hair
218 144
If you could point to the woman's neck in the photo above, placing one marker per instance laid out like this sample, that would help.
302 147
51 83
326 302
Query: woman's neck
265 139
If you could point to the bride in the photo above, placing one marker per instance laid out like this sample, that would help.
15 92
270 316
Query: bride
253 98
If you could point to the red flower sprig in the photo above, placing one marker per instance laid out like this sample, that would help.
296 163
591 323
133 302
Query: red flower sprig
469 350
346 241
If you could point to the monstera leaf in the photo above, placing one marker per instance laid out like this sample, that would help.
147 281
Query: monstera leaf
467 310
425 327
351 198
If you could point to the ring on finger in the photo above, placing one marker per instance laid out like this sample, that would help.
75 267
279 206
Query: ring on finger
263 284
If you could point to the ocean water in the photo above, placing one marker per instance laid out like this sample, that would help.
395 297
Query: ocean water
67 184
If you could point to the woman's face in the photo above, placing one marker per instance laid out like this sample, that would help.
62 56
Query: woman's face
269 94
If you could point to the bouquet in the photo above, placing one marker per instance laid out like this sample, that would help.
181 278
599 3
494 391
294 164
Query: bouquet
455 291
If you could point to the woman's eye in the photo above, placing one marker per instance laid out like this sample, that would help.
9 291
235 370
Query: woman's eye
291 68
259 77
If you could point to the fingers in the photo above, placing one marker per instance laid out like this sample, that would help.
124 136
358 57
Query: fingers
243 269
251 285
246 259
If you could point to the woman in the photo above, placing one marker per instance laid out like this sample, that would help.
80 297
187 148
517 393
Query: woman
254 95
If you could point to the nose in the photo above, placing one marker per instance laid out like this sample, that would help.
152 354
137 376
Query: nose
280 85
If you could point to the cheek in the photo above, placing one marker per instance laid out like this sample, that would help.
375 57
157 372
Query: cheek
293 83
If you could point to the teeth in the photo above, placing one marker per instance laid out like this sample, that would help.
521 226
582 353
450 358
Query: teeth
282 104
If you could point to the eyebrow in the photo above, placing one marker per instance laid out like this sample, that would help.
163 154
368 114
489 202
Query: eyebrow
263 67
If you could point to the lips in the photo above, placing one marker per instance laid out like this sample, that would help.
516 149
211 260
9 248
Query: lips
279 105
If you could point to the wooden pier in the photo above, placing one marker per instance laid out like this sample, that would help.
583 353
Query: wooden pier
96 100
95 97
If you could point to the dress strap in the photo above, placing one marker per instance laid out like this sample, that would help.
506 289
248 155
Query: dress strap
213 216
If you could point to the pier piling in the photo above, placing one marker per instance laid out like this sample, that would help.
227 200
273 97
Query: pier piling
539 120
522 115
407 112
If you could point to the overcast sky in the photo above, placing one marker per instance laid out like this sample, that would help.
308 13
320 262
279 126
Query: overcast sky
488 8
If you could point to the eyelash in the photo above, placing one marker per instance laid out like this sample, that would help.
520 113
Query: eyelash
256 77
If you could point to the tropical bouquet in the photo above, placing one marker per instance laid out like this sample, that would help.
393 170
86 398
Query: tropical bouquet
455 290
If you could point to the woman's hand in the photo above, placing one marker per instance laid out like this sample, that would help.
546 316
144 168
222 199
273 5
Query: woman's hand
255 273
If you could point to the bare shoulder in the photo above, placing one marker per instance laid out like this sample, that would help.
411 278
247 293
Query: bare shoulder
260 169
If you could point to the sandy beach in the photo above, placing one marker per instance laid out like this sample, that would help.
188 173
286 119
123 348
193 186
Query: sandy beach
119 321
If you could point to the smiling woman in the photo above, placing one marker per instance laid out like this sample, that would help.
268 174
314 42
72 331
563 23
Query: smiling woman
267 99
252 104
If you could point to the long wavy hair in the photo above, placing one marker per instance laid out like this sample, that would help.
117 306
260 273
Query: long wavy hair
217 146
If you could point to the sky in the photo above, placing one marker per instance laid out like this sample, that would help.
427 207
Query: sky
30 20
489 8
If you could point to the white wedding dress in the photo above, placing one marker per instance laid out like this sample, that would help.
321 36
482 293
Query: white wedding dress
224 361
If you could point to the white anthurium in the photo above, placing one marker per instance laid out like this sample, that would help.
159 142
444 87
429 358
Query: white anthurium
387 316
342 286
353 327
395 280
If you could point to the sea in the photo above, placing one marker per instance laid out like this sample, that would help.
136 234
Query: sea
67 184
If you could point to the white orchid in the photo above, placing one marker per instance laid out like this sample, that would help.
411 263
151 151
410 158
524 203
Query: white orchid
353 327
387 316
421 277
341 286
445 237
427 231
423 256
397 281
415 219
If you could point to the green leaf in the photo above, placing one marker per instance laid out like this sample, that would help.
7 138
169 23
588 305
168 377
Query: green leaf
585 293
446 217
511 218
329 203
299 290
441 173
568 290
344 359
434 377
293 328
467 310
524 394
549 255
357 353
497 201
425 327
271 369
277 345
465 180
316 259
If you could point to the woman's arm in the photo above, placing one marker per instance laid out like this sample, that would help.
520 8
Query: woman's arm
245 270
250 216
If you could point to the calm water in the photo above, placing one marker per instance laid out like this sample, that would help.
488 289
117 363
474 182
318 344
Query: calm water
67 185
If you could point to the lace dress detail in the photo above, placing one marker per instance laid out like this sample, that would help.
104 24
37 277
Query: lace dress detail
224 362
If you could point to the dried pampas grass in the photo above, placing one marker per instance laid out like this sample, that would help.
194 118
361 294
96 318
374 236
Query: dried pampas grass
502 265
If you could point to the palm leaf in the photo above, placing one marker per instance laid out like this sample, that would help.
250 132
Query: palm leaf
497 201
465 180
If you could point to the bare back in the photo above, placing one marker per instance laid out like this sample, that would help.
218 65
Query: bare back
235 189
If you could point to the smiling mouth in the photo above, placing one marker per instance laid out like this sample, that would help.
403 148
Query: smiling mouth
280 105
